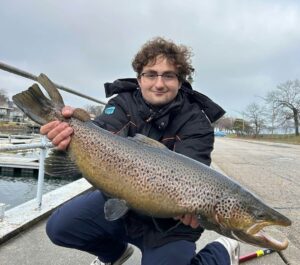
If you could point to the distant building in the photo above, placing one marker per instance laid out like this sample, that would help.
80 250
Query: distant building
9 112
5 113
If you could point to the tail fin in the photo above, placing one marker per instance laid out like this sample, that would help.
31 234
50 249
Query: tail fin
38 107
51 90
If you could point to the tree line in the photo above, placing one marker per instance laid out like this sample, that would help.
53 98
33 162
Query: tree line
3 97
280 110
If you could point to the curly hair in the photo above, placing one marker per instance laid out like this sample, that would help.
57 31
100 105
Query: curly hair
178 55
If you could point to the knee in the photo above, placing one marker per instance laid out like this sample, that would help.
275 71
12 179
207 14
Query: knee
55 229
175 256
180 253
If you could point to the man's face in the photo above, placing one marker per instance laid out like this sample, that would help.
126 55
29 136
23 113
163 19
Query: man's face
159 90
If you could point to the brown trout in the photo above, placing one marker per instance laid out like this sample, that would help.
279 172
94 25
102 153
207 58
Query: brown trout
142 174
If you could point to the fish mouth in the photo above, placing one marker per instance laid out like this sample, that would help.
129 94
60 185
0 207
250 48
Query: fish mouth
256 236
270 241
258 226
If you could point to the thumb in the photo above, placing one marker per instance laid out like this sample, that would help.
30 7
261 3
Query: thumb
67 111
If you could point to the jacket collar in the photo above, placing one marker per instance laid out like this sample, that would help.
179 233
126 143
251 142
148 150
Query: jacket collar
159 116
212 110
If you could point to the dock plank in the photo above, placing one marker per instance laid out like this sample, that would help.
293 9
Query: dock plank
18 162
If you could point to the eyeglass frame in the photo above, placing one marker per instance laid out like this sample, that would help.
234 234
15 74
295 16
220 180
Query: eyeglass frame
156 75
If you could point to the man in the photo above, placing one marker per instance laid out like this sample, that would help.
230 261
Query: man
160 104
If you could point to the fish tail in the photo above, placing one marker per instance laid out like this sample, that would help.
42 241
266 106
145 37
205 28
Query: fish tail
37 106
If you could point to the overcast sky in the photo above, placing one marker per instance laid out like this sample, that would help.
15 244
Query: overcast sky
242 49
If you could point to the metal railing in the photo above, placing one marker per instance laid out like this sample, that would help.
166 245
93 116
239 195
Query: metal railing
25 74
44 143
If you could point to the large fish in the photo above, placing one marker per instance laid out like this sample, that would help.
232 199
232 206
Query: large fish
144 175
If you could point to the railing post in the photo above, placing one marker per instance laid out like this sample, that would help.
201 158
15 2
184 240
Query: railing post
41 175
2 211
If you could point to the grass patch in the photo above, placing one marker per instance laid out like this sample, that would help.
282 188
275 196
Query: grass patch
276 138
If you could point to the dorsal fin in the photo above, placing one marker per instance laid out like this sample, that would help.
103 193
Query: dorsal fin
81 115
148 141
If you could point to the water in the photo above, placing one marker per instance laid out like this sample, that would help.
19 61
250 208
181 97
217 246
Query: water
16 189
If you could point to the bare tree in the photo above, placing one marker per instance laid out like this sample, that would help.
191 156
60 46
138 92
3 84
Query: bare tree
94 109
224 124
3 97
273 117
286 100
256 117
241 127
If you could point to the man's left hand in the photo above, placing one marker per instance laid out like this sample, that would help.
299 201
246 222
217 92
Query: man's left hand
189 219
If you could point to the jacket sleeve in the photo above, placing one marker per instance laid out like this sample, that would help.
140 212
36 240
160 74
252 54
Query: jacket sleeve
196 139
113 118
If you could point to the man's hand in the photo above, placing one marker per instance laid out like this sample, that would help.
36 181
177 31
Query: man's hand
59 132
189 219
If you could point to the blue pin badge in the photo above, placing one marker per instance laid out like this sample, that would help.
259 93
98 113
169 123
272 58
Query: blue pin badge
110 110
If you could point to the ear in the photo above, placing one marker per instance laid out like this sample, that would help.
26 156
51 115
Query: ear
139 81
180 84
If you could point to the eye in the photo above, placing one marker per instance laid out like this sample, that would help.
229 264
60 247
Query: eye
150 75
169 76
260 216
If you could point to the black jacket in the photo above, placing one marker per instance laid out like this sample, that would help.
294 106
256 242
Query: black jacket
184 126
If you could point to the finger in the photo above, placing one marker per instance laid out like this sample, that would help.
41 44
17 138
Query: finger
57 130
67 111
194 222
62 135
48 127
187 219
178 217
63 145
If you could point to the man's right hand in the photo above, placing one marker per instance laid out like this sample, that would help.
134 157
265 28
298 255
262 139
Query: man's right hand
59 132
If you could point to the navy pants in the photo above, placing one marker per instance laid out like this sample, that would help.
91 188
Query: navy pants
80 224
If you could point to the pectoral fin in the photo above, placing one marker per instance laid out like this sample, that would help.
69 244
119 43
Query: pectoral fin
115 209
59 164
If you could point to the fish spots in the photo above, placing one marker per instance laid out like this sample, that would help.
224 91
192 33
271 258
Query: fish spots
227 207
152 178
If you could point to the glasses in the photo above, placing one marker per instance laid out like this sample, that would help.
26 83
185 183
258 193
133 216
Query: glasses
166 77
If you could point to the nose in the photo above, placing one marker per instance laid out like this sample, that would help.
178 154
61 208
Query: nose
159 82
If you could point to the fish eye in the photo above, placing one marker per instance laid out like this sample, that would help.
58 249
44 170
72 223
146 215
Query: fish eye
261 216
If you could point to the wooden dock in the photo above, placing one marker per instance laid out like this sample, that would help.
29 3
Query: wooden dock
15 141
11 165
19 162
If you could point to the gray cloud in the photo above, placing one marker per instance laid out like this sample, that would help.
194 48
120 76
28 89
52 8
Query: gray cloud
242 49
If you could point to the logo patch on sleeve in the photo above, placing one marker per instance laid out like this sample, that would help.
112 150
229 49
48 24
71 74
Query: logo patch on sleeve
109 110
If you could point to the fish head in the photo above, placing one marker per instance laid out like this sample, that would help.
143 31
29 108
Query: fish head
244 220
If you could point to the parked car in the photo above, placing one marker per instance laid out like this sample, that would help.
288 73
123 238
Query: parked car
220 133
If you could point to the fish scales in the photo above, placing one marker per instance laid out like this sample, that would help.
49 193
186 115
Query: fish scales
165 184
